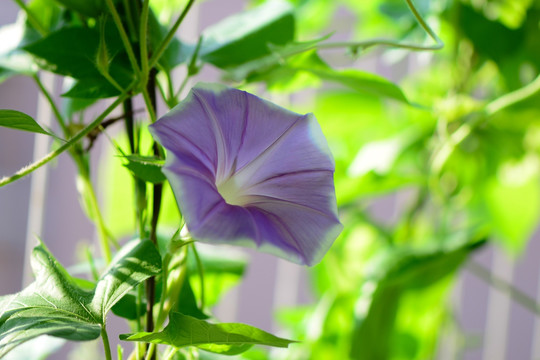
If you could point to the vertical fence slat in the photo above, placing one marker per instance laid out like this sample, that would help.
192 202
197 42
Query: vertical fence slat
38 185
498 310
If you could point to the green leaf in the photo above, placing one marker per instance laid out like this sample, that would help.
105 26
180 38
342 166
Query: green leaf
354 79
17 120
490 38
261 68
373 333
92 8
246 36
187 303
13 60
225 338
146 168
513 202
294 60
91 89
136 262
217 261
361 81
222 271
412 270
55 305
78 60
39 348
126 307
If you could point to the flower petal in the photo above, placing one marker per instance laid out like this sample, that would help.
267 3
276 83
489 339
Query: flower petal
248 172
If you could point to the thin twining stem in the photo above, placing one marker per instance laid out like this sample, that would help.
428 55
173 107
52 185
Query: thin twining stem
439 44
513 97
54 108
124 37
170 35
518 295
53 154
143 34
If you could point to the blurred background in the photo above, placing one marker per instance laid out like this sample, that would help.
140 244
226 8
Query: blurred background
440 253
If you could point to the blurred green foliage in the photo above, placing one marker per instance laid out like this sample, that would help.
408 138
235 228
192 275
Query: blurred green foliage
453 139
463 168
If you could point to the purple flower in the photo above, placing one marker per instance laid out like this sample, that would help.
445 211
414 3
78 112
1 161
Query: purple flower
247 172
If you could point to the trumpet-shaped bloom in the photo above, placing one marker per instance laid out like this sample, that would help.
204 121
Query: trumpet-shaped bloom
247 172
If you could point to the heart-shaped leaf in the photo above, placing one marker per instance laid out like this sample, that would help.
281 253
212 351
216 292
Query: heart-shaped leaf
54 304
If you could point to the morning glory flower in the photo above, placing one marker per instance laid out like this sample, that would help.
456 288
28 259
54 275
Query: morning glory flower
247 172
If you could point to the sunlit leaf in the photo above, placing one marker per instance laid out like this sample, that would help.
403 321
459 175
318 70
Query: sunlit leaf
246 36
513 202
224 338
55 305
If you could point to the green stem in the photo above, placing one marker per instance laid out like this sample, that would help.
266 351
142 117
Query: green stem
164 277
54 108
119 352
124 37
53 154
170 35
143 34
129 18
150 109
191 69
96 214
32 18
106 345
178 265
129 123
439 44
514 97
171 354
150 351
200 268
88 187
518 295
111 80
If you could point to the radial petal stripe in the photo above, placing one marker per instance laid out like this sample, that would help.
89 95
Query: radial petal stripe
247 172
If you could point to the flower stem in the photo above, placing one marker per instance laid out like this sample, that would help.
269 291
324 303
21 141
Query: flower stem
150 352
200 268
151 103
106 345
143 35
53 154
171 354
